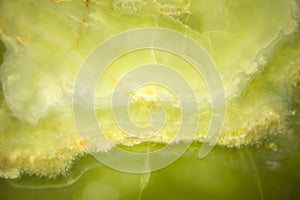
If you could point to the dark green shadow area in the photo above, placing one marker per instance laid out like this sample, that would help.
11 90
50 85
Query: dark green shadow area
2 50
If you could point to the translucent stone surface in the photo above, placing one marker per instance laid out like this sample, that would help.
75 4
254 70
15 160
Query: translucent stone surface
256 52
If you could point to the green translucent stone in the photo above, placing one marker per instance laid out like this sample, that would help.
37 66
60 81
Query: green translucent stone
255 45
